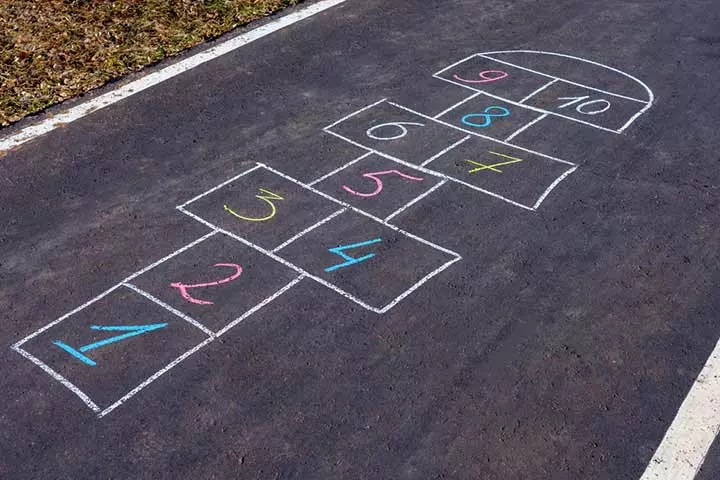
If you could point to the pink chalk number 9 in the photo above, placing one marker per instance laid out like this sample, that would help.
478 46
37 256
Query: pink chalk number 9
486 76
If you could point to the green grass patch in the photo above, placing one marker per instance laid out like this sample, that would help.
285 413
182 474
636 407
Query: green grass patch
51 50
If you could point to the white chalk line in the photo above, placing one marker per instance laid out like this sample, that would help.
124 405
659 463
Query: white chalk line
308 230
155 376
211 338
218 187
564 80
446 150
64 381
166 73
456 64
355 113
552 187
260 305
70 313
528 97
476 134
340 169
458 104
442 175
414 201
419 284
170 308
525 127
682 451
169 256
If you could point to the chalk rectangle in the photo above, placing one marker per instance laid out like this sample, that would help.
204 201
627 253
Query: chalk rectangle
508 172
111 345
483 74
367 260
488 116
216 281
586 105
377 185
262 207
387 129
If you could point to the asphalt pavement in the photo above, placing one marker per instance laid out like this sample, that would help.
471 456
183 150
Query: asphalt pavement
417 239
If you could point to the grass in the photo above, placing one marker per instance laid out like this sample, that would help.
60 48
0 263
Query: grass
51 50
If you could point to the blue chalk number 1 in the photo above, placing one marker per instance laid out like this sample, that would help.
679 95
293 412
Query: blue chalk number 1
132 330
340 250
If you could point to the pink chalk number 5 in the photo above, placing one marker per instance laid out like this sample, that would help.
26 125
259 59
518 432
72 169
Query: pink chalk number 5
184 288
374 176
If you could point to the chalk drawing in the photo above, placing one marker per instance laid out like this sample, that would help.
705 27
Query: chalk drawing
485 77
379 183
400 125
493 167
583 107
340 250
487 116
132 331
382 132
268 197
184 288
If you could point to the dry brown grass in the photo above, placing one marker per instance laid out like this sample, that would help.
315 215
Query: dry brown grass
55 49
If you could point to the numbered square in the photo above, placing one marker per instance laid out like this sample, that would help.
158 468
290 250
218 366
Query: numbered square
262 207
511 173
377 185
484 74
367 261
216 281
484 115
114 344
598 108
396 131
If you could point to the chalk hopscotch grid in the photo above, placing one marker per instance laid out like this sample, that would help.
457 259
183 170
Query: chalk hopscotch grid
421 168
647 103
347 206
303 274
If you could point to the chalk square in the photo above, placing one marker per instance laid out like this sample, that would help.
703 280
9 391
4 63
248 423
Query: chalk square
396 263
263 208
118 366
484 115
484 74
397 132
377 185
586 105
511 173
235 278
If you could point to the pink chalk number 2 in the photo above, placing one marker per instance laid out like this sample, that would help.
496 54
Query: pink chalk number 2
186 294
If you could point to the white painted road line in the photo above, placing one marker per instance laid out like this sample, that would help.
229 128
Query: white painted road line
129 89
682 451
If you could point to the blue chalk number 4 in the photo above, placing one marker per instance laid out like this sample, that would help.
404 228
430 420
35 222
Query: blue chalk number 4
340 250
132 330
